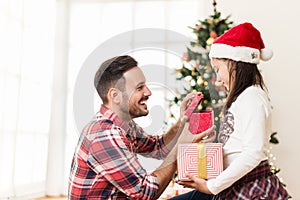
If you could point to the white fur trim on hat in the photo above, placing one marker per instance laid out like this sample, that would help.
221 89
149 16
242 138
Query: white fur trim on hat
266 54
238 53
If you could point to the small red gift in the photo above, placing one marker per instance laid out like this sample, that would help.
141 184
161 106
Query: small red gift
201 121
204 160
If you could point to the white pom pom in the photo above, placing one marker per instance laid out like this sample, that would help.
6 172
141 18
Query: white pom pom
266 54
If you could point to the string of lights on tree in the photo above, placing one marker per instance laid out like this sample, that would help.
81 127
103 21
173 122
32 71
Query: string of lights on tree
196 71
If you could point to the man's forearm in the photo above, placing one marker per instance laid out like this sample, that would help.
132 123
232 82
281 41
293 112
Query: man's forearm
166 171
171 136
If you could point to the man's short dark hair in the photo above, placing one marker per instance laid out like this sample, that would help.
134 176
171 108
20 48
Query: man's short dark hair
110 73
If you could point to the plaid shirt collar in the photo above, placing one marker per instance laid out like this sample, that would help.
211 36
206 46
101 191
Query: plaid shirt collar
105 112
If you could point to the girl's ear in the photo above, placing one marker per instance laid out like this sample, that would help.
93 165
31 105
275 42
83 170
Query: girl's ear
114 96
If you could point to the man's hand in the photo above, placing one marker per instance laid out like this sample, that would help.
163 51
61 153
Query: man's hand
186 102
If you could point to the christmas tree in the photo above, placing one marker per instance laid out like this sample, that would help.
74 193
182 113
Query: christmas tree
196 69
199 76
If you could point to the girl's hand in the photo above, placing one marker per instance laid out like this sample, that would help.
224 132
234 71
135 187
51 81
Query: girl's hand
187 137
195 183
206 136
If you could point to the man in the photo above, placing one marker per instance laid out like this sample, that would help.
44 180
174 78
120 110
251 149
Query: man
105 165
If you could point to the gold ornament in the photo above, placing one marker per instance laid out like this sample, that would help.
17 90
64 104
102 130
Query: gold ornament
200 80
179 70
216 21
210 41
193 71
209 21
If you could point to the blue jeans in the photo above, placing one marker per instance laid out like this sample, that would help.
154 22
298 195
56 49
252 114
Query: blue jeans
193 195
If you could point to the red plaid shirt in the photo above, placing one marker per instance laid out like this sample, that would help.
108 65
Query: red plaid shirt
105 165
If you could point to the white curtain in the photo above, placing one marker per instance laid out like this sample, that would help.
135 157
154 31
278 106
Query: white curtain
26 67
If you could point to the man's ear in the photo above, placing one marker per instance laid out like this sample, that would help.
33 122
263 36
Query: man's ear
114 96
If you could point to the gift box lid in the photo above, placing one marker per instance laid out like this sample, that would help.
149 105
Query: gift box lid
195 102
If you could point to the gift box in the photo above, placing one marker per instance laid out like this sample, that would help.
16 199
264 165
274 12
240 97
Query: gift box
204 160
201 121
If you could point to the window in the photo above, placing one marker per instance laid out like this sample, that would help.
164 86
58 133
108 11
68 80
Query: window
27 35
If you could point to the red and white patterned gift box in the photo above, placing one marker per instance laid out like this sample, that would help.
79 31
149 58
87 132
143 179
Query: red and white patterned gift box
204 160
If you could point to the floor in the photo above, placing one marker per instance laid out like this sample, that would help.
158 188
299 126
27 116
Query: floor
52 198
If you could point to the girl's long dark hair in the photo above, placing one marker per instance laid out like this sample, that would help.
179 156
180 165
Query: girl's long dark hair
241 76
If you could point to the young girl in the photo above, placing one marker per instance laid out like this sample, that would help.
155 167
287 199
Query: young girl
246 124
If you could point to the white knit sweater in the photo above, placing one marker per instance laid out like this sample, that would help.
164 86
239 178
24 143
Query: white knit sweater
247 129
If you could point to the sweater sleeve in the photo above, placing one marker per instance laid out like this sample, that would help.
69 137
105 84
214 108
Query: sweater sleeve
111 158
250 135
151 146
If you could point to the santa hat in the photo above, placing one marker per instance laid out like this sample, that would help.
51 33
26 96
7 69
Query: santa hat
241 43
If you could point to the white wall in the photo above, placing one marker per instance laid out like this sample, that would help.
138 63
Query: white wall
278 22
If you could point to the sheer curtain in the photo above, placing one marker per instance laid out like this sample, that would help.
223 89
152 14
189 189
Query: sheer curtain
44 45
27 35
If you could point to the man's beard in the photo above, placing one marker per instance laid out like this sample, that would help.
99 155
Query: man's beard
137 111
132 109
